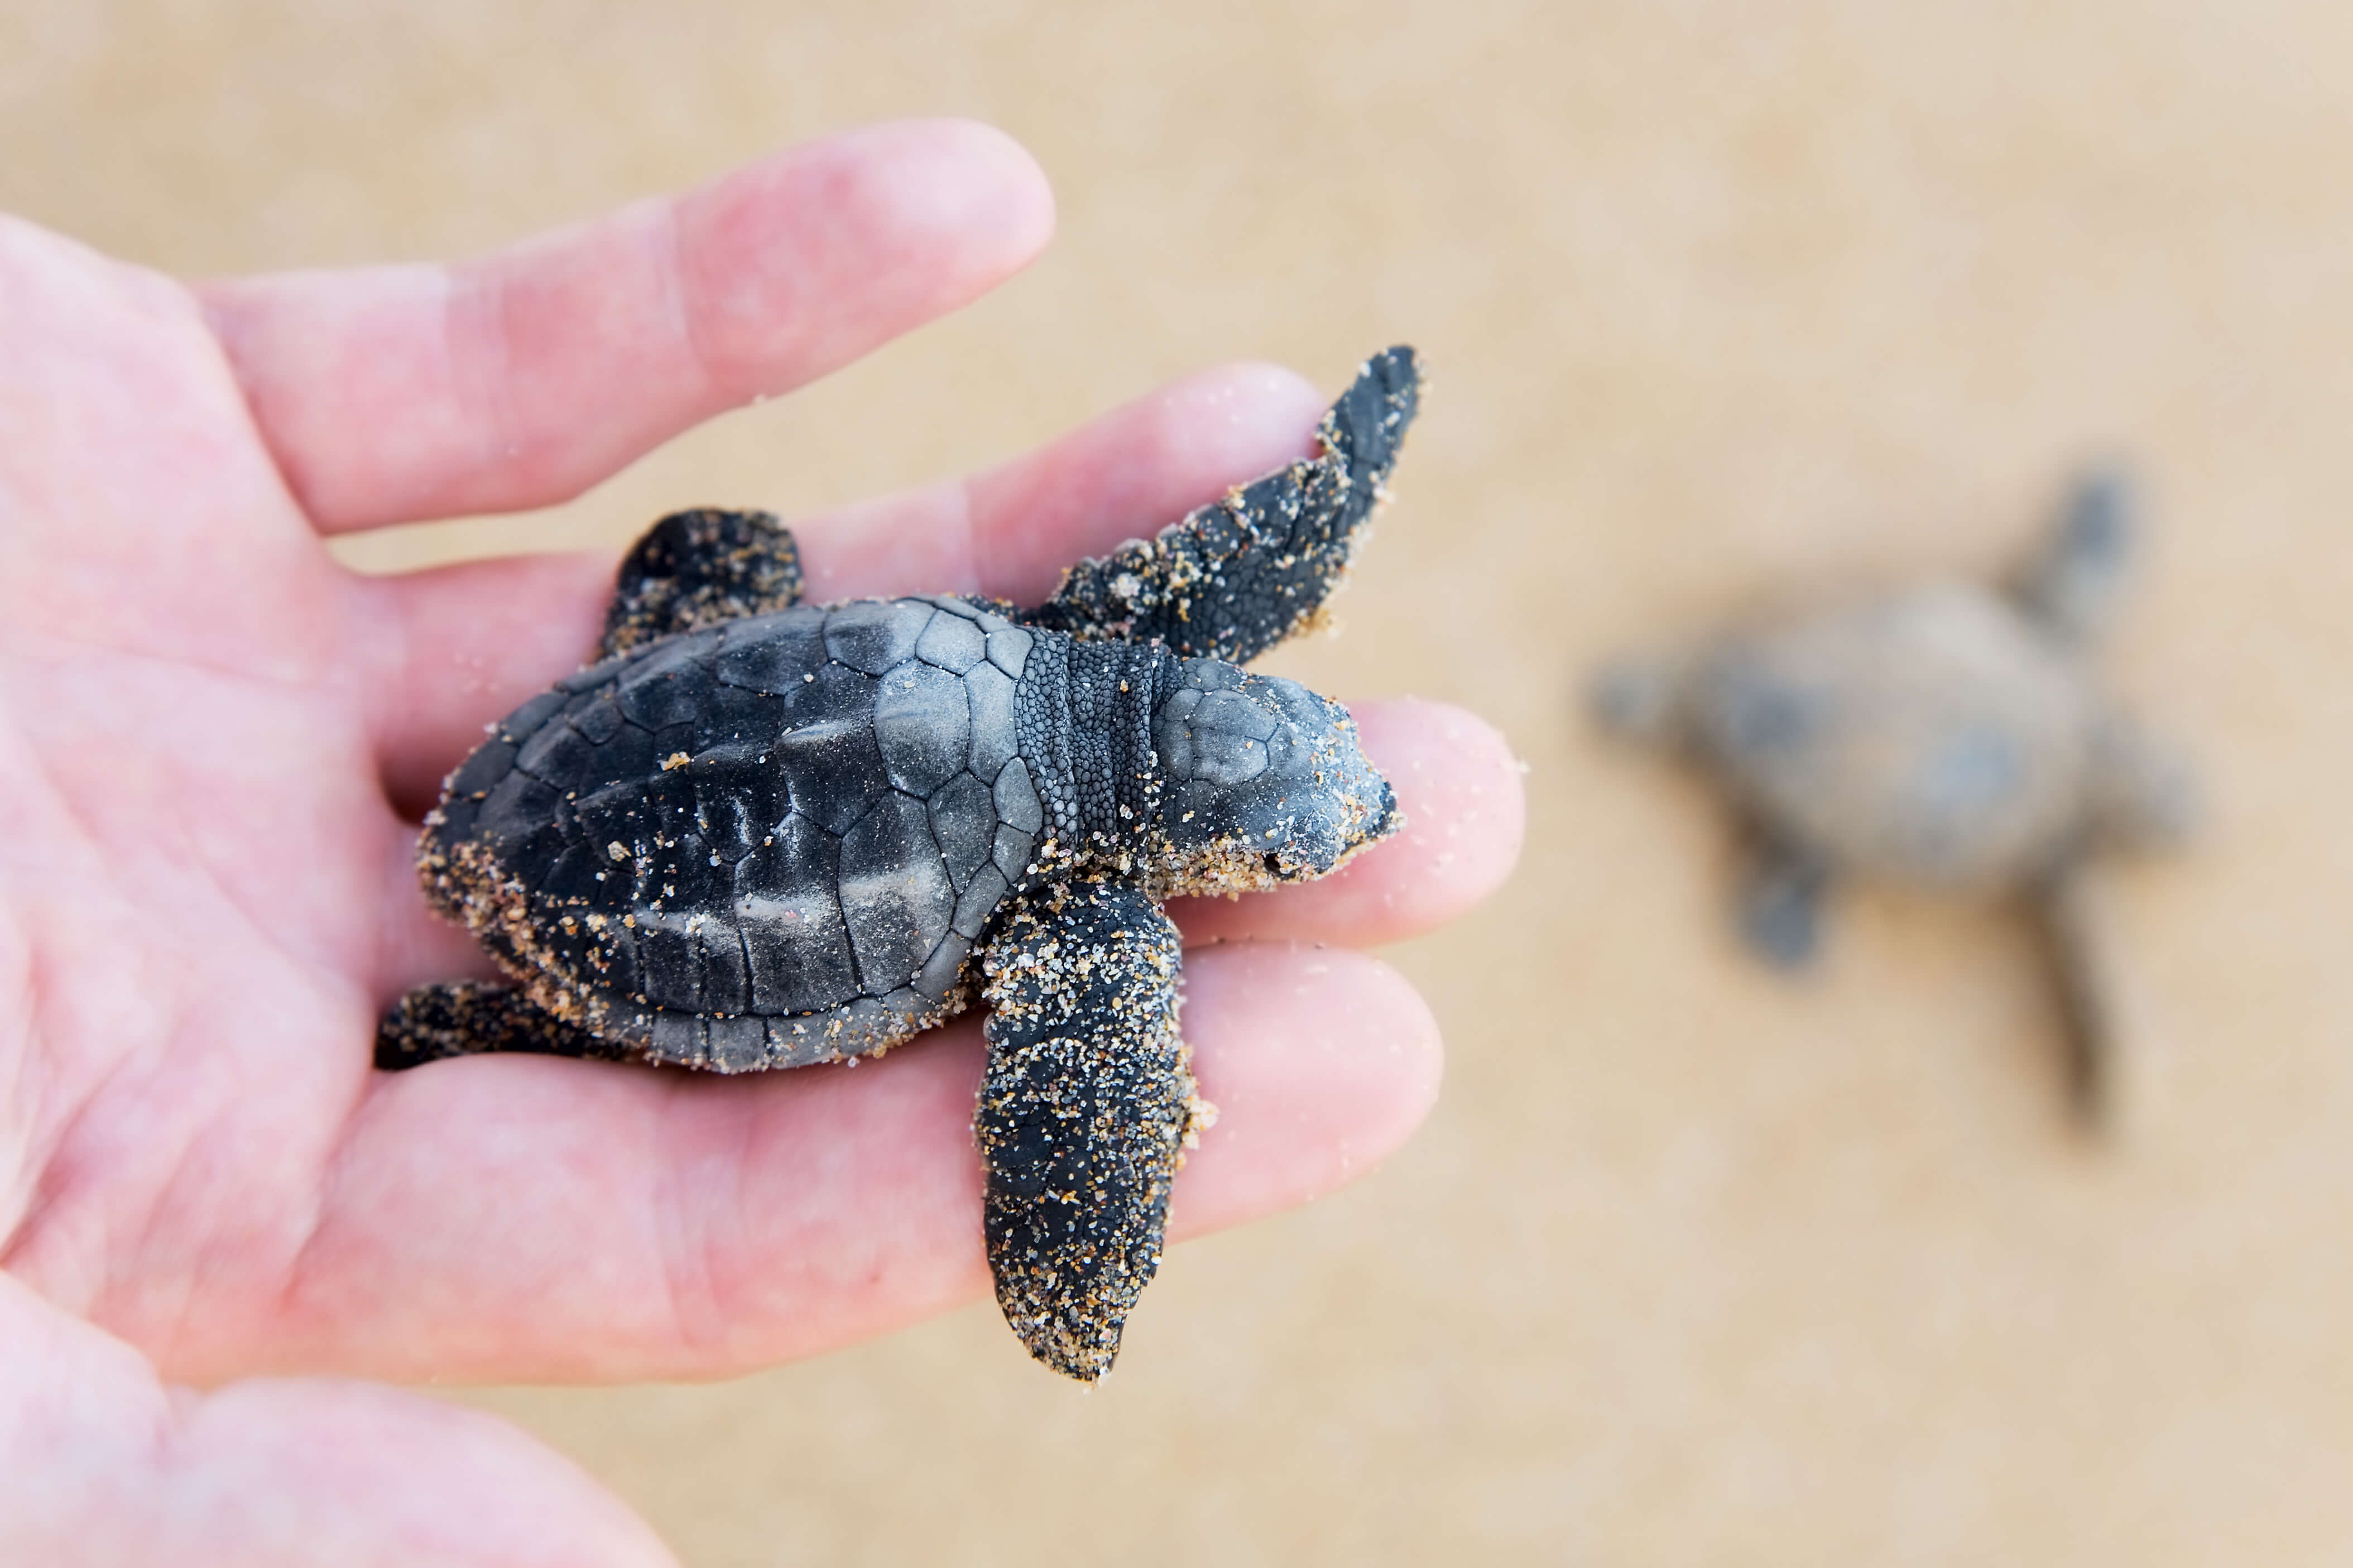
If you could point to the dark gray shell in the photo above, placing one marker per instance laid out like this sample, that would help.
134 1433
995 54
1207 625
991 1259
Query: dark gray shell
771 842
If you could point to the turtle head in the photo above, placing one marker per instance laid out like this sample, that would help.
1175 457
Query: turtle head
1265 782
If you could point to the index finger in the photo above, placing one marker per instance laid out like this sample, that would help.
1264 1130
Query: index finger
398 393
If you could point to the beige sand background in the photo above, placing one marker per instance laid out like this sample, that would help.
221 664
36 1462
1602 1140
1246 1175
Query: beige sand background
1693 1265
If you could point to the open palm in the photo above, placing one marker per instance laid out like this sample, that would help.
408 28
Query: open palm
213 740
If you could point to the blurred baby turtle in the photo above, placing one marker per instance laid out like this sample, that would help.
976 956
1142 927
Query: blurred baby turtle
1949 736
756 834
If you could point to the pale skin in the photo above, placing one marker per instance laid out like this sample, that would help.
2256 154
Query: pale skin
214 743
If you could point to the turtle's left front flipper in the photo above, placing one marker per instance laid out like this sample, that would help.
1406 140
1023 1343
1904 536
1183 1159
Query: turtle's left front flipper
1235 577
696 568
1082 1114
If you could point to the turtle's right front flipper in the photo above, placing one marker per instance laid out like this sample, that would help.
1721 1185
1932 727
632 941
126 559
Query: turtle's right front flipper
1237 576
1082 1114
1781 893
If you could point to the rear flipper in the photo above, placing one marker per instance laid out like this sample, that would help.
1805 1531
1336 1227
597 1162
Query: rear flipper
471 1017
2083 968
1239 576
1083 1114
698 568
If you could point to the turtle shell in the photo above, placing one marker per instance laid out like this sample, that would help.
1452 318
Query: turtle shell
1935 736
770 842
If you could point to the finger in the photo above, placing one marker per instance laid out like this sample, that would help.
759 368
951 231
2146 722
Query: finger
398 393
104 1464
1341 1062
1460 788
504 1217
1010 533
452 649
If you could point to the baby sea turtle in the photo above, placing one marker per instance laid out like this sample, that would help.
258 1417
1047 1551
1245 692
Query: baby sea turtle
1946 735
755 834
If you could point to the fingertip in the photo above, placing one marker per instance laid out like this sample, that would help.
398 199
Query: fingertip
912 218
1256 401
1322 1062
1465 811
1228 425
999 178
1136 470
1460 785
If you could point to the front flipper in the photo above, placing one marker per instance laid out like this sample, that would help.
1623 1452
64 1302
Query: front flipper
2073 583
698 568
1083 1116
1239 576
1781 903
471 1017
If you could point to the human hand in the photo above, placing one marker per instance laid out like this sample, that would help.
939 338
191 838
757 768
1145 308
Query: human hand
214 743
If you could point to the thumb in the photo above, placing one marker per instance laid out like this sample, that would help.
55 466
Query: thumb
102 1463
